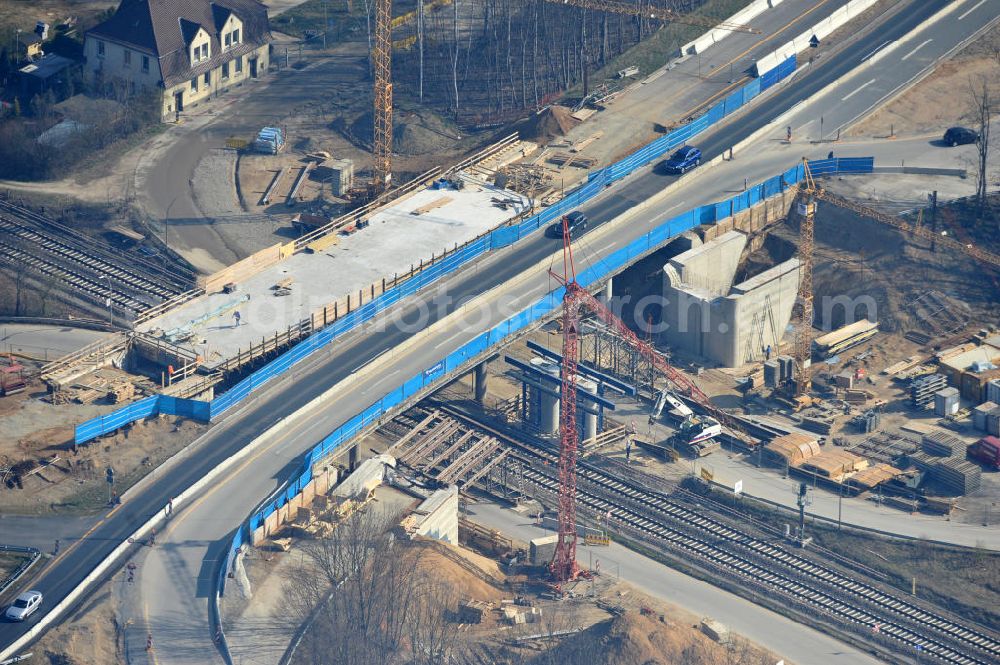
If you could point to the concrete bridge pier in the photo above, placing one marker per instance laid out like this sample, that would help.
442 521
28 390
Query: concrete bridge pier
352 457
480 378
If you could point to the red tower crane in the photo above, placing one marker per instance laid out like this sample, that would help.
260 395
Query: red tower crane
576 299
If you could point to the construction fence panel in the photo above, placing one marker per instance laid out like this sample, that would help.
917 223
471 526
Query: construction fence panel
854 164
508 235
188 408
734 101
751 90
130 413
786 67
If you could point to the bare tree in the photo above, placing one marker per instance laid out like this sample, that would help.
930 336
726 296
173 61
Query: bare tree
367 598
982 107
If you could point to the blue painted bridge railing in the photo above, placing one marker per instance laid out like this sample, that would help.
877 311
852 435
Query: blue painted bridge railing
497 239
457 360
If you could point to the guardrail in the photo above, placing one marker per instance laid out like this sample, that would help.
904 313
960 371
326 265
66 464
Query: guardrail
496 239
469 353
34 555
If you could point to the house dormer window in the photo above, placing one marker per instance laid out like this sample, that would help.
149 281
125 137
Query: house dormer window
199 53
232 38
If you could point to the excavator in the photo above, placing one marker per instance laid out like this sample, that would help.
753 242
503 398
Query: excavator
695 433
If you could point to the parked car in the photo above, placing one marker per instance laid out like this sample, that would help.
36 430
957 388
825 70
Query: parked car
24 606
960 136
576 220
683 160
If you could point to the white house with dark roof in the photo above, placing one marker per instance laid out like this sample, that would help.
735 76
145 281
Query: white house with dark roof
190 49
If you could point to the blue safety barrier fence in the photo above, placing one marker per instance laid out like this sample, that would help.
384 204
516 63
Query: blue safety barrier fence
498 238
455 361
144 408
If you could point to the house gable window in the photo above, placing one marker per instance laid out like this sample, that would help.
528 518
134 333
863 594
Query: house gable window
100 49
145 64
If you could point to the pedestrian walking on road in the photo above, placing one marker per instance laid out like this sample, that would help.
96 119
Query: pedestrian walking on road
149 642
788 133
236 317
170 507
152 537
55 550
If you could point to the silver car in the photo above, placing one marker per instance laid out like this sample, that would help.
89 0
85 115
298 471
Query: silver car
24 606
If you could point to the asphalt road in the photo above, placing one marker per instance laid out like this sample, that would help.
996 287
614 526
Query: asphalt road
44 342
328 369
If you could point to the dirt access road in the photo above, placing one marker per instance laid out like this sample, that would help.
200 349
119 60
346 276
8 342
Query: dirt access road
164 181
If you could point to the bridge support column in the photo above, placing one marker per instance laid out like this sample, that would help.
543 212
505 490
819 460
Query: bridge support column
606 293
480 377
548 420
352 457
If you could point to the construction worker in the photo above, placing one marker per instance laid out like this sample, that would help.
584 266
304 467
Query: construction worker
788 133
152 537
55 550
149 642
236 317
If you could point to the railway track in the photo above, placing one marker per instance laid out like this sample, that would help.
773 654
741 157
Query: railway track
47 243
654 515
92 288
173 279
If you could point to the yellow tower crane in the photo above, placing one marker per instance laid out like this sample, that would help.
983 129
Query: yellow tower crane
382 117
382 65
809 193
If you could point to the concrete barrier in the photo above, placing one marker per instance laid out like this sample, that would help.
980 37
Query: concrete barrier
717 34
921 170
820 31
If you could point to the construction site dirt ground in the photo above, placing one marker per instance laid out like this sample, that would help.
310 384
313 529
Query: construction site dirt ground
92 633
618 624
944 98
36 430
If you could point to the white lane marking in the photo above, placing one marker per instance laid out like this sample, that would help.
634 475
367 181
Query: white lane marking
445 341
971 9
919 46
863 86
370 361
877 49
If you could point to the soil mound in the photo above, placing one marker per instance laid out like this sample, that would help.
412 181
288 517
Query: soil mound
636 639
412 133
467 575
548 124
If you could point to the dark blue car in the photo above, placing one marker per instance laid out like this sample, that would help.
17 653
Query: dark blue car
686 158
